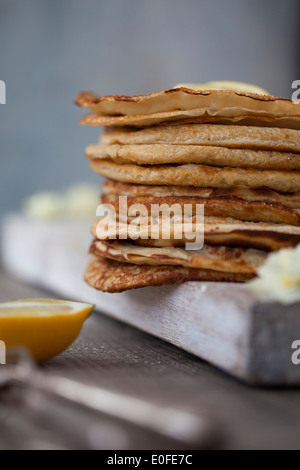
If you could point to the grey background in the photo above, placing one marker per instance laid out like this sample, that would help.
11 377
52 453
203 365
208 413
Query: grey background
51 49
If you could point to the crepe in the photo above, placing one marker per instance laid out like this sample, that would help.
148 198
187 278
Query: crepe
156 154
237 153
238 137
187 104
225 259
198 175
190 117
111 187
217 231
110 276
231 206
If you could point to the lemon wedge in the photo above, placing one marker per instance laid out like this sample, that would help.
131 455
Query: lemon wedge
45 327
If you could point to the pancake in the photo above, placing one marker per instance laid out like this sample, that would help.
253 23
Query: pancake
189 117
235 137
225 259
231 206
156 154
111 276
217 231
184 103
111 187
263 242
198 175
237 153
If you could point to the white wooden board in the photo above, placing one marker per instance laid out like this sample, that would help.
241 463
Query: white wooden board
219 322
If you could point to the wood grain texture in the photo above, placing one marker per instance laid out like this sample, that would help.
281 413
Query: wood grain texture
122 358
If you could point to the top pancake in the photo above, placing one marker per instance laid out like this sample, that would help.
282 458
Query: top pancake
187 104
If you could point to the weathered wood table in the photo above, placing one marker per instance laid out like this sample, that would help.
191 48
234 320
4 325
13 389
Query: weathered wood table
122 358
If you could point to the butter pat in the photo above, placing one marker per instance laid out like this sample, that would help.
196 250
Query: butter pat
44 205
80 200
225 85
279 278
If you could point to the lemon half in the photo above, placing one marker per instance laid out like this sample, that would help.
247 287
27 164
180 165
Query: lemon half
45 327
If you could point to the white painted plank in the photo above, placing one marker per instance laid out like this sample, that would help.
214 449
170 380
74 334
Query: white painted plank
210 320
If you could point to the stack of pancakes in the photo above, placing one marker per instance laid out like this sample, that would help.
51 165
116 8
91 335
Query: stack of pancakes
235 152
